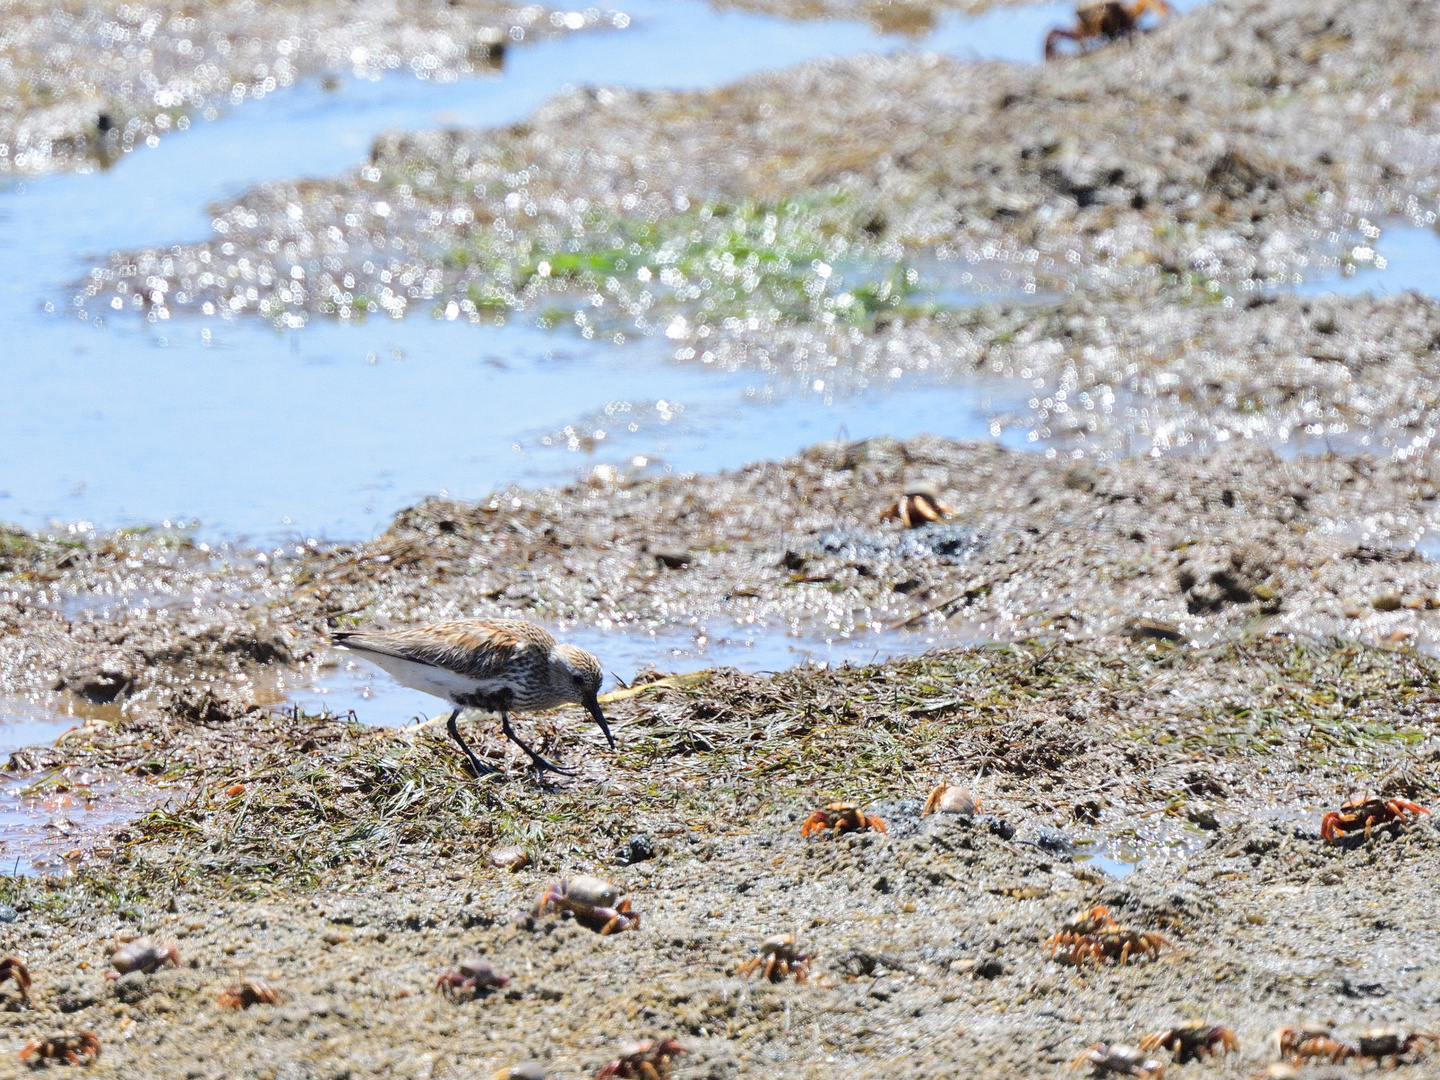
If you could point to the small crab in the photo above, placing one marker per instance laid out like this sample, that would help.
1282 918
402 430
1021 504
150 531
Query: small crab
1311 1041
1365 814
142 955
779 958
839 818
12 967
1381 1043
1124 1060
79 1049
592 901
947 799
1192 1041
920 505
648 1059
1094 935
1104 22
248 992
475 976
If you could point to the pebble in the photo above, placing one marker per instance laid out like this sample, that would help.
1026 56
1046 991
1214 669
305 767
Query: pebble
1053 841
638 848
526 1070
510 858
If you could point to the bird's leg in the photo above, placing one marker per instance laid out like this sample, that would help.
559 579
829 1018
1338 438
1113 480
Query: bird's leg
539 762
481 769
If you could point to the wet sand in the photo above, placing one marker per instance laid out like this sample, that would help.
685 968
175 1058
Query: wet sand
1192 637
85 83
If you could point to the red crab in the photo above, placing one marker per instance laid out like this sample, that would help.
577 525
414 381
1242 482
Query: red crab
1366 813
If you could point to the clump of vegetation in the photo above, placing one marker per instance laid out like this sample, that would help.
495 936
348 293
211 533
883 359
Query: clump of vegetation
287 798
757 263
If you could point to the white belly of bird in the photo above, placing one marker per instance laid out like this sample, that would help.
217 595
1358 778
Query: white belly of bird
430 680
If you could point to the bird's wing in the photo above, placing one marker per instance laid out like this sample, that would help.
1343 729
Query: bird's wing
474 649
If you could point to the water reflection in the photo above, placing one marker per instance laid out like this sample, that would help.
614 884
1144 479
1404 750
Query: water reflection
1404 258
51 812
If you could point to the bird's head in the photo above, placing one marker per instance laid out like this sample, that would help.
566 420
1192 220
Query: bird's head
577 674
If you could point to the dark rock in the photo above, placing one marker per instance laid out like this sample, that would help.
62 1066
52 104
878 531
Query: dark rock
1052 840
1358 988
636 849
862 964
673 559
997 826
989 968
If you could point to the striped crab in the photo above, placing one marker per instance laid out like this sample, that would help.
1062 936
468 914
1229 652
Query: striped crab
1094 935
594 902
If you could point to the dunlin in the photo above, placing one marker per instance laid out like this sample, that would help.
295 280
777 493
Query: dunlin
491 664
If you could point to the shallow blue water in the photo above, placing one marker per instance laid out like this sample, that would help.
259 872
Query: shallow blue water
1405 258
328 430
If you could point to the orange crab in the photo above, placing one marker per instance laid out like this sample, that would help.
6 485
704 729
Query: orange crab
12 967
842 817
1094 935
648 1059
1193 1041
1366 813
1311 1041
949 799
920 505
248 992
79 1049
1104 22
780 957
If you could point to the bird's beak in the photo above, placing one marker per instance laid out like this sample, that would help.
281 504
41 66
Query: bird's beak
592 706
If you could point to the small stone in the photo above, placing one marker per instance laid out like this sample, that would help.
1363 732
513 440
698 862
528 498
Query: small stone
510 858
1153 630
638 848
526 1070
8 914
999 827
1388 601
334 937
1053 841
673 559
1202 815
